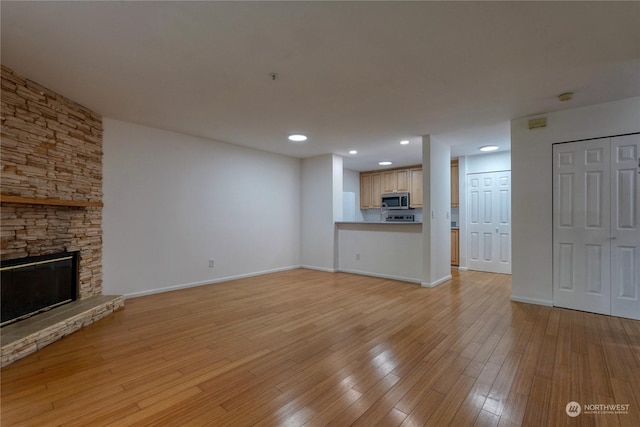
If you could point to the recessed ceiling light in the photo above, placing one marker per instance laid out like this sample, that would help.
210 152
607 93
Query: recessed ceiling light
353 152
489 148
567 96
384 163
404 142
296 137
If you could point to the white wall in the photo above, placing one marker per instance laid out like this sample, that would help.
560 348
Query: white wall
532 196
351 183
337 172
436 228
460 214
173 201
319 185
366 249
491 162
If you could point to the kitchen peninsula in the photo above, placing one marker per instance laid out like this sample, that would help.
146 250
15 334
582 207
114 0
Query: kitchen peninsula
381 248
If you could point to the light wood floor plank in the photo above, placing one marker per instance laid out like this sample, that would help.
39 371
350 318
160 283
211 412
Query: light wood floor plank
310 348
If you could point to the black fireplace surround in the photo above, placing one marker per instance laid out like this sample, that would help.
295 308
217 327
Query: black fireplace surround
35 284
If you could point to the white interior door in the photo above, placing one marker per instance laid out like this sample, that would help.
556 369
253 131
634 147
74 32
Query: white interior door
581 231
596 236
625 231
489 238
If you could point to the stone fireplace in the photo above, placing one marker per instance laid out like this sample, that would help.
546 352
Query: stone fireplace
51 187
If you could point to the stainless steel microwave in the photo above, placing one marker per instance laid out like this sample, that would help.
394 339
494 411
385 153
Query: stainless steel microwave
395 200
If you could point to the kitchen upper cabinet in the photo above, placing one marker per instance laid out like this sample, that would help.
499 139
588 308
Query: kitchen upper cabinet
415 187
395 181
455 247
374 184
455 184
370 190
365 191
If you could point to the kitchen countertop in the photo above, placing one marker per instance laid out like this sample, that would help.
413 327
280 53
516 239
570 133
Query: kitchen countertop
380 222
385 223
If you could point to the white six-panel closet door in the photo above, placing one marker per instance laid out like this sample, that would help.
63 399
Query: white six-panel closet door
581 233
596 239
625 228
489 226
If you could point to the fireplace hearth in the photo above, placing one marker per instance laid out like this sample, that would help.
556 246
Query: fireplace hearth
35 284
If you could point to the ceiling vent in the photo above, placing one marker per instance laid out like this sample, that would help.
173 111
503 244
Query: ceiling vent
540 122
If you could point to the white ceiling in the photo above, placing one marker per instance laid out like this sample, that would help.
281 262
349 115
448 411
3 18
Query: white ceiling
351 75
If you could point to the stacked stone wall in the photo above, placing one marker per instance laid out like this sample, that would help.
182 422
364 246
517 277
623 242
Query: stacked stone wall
50 150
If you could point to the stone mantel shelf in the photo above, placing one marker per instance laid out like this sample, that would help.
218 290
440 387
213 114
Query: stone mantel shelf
49 202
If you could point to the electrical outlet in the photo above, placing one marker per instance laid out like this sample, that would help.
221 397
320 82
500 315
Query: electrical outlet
357 257
211 263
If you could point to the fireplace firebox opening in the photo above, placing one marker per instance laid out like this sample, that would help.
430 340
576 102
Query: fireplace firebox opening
35 284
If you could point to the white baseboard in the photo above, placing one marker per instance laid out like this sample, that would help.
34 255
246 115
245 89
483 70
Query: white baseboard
382 276
275 270
532 301
437 282
206 282
313 267
463 269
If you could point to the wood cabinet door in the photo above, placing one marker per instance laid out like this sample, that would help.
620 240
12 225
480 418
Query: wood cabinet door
389 182
395 181
365 191
402 180
415 190
455 249
455 184
376 190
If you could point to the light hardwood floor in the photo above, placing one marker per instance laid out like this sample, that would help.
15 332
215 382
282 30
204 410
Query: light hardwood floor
311 348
